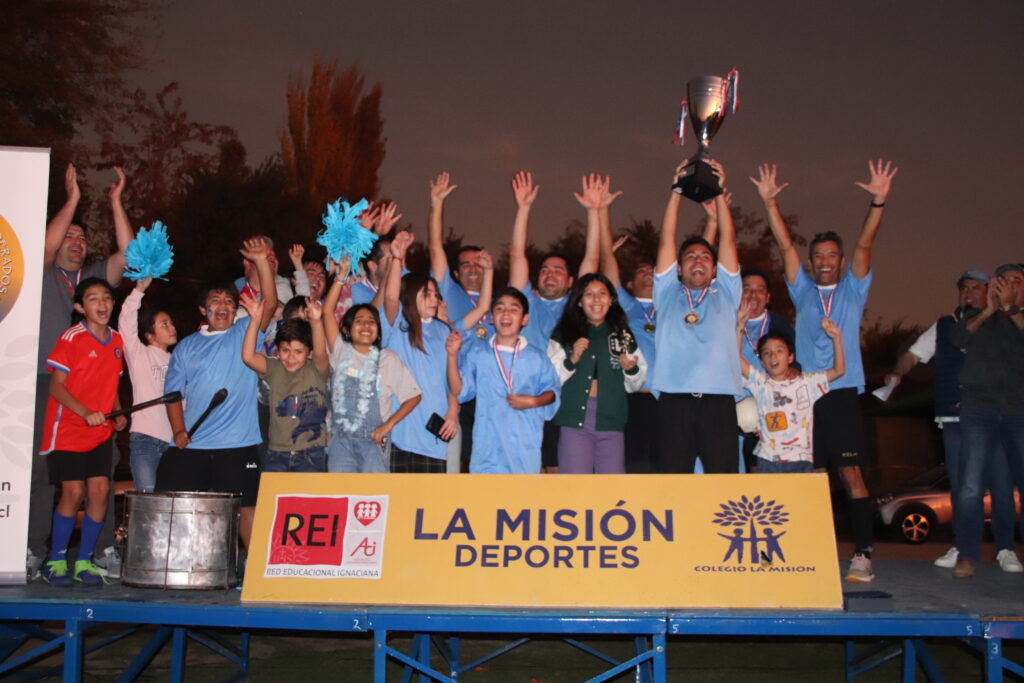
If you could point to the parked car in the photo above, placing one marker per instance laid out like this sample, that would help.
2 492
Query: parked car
922 504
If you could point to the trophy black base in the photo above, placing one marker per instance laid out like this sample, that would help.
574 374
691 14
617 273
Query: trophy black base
699 184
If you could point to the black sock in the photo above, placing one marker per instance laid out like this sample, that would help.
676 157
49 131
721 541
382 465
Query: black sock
861 523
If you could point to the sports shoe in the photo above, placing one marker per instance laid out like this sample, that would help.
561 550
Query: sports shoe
965 568
860 569
1008 561
87 574
109 563
32 566
56 572
948 561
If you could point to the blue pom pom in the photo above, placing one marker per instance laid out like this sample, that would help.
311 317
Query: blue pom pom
149 255
343 235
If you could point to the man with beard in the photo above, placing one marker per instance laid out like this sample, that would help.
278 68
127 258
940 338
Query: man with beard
935 342
836 290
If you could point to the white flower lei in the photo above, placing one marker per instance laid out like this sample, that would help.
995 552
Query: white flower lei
369 388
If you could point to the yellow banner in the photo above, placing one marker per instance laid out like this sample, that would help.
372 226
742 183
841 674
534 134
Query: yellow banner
591 541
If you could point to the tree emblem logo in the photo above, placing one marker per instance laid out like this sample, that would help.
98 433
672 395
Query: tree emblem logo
749 514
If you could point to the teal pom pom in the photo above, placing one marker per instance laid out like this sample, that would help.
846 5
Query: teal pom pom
149 255
343 235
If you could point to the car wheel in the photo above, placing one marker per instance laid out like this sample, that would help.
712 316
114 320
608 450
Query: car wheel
915 524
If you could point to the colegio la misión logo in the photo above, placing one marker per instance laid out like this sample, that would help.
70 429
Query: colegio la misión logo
752 531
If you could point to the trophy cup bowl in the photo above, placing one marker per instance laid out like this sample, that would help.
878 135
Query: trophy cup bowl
708 100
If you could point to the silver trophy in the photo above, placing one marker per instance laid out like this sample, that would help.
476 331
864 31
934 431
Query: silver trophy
709 99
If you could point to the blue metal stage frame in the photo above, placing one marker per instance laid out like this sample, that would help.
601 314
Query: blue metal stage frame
442 627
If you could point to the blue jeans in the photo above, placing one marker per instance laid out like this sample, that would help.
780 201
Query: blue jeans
998 480
355 453
145 457
765 466
312 459
983 432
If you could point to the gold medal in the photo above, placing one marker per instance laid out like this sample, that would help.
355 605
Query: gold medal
649 327
692 318
481 332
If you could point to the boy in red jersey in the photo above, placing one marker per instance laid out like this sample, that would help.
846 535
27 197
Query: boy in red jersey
86 363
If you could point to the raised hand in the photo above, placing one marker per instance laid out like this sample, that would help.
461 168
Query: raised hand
711 208
578 347
744 310
719 172
71 182
766 184
368 218
524 189
387 218
681 172
1006 295
440 188
617 244
607 196
830 327
403 240
143 284
296 253
485 259
117 187
453 343
253 305
314 310
254 249
590 198
881 179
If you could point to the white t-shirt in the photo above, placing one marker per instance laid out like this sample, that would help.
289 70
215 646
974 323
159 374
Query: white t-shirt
785 414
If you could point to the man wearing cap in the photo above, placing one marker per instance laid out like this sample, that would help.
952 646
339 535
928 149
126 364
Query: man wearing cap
992 406
936 342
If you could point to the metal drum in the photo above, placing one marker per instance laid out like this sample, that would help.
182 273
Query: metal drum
181 540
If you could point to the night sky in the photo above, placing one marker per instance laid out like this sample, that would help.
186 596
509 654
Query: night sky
484 89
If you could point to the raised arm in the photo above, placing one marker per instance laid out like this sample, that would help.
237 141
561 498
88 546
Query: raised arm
252 358
295 254
330 323
393 280
838 368
590 199
256 251
742 316
727 254
710 232
315 313
483 304
61 221
669 224
609 264
439 191
768 189
525 192
387 218
123 233
878 185
451 347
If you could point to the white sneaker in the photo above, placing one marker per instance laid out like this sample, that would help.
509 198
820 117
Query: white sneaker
948 561
1008 561
32 566
109 563
860 570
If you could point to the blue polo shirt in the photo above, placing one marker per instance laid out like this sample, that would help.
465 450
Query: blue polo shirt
544 316
640 312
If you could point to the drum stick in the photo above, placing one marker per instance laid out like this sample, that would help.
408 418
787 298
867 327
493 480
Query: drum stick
172 397
217 399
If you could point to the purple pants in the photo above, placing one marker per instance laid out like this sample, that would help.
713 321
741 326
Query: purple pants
588 451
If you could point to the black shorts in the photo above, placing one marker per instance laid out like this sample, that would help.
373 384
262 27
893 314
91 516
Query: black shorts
221 470
838 430
549 444
696 425
79 466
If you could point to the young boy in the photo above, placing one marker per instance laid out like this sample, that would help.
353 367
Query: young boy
222 456
85 363
298 388
515 386
785 397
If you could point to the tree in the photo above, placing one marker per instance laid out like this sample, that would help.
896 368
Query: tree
333 145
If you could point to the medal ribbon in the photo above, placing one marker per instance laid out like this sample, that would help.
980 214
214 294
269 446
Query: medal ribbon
700 297
760 332
63 275
650 316
826 304
507 376
373 287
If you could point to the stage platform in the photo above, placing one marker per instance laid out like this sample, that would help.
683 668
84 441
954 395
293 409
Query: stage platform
908 602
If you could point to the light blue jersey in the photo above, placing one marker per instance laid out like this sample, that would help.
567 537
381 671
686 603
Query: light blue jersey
430 372
845 302
699 358
505 440
640 313
362 292
544 316
201 365
460 304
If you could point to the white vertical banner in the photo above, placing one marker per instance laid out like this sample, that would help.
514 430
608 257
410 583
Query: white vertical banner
24 174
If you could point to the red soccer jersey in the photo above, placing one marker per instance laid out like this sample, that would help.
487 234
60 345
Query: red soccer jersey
93 369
